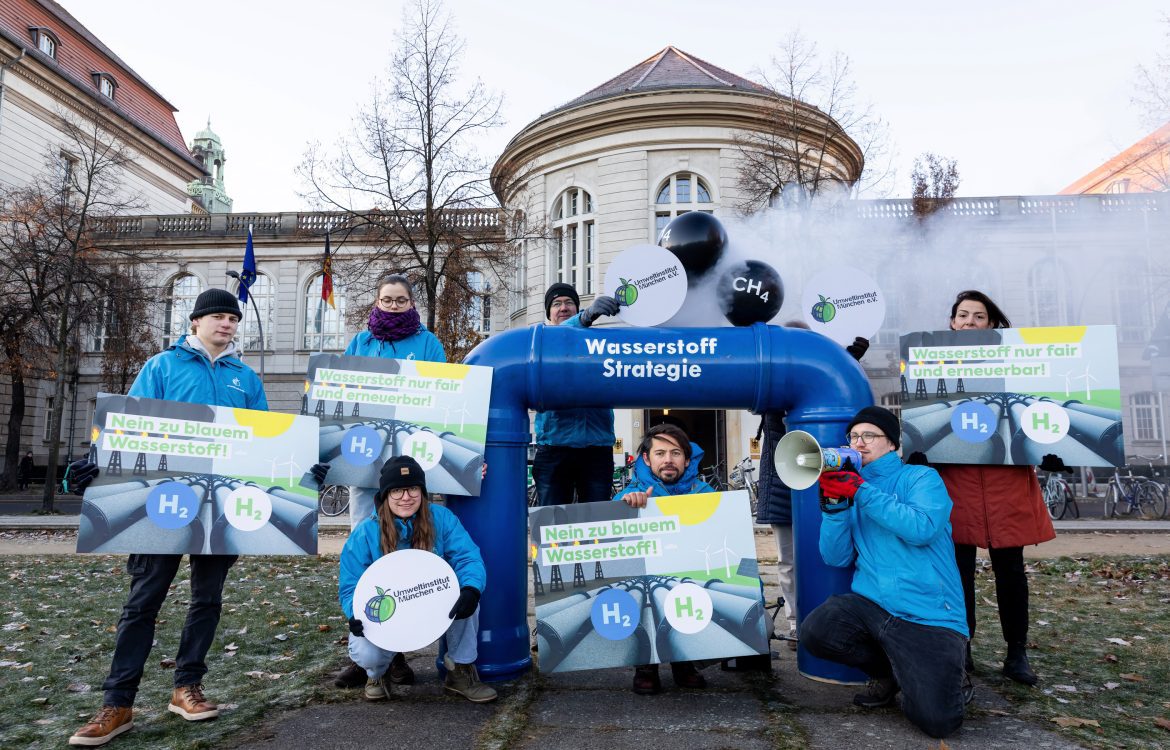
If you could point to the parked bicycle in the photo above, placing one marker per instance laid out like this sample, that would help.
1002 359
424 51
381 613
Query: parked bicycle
333 499
742 477
1059 498
1134 495
623 474
1155 485
713 476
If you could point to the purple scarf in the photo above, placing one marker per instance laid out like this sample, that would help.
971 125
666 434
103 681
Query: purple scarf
393 326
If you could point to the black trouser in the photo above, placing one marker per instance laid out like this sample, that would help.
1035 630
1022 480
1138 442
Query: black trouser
560 471
150 579
925 660
1011 589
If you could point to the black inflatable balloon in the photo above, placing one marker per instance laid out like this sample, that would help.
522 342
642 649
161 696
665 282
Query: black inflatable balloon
750 292
697 239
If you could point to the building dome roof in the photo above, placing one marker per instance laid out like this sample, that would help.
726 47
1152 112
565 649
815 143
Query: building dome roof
207 134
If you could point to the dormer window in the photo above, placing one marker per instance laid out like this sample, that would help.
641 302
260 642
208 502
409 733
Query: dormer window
45 40
106 84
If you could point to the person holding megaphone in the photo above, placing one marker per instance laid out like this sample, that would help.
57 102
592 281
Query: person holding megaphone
903 623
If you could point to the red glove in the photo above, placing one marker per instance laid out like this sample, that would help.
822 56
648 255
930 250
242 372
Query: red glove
842 484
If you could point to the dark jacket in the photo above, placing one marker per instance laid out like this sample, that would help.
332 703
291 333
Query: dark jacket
775 499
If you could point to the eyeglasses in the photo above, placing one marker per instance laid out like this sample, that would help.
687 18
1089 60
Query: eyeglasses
864 437
400 492
395 301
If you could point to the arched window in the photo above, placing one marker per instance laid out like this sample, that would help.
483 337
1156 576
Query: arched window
574 252
679 193
324 325
263 291
180 303
1145 413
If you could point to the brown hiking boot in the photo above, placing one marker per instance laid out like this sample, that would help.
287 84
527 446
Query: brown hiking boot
188 701
686 676
352 676
646 681
462 679
400 672
108 724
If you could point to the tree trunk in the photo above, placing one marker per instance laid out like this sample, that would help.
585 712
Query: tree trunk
15 426
50 493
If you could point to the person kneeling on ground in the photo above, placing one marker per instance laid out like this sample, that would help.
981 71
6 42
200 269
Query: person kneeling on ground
668 464
404 518
904 623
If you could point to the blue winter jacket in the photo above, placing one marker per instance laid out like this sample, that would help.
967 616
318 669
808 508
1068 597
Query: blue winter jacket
575 428
688 484
898 534
452 543
182 373
421 345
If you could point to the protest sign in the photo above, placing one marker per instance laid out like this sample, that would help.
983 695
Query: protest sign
1009 396
675 581
404 599
190 478
649 284
843 303
373 409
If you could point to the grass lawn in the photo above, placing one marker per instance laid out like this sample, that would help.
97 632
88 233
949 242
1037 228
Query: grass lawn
279 636
1100 644
1100 641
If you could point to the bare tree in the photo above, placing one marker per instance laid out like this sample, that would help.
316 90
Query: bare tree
934 182
412 185
49 257
1151 97
123 328
815 132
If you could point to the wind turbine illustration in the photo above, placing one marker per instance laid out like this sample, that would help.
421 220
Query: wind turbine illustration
1087 377
1067 384
461 412
726 560
293 467
272 470
706 557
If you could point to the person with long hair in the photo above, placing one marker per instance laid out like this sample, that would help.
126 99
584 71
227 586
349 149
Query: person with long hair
405 518
395 331
998 508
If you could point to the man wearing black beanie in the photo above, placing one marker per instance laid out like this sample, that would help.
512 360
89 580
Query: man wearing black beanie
574 447
904 622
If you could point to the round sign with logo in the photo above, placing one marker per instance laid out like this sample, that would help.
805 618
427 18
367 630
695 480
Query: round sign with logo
404 599
649 284
843 304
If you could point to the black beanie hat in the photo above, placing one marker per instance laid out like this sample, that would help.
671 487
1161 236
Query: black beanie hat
400 471
559 289
216 301
883 419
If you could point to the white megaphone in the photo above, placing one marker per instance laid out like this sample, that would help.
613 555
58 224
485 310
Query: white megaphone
800 459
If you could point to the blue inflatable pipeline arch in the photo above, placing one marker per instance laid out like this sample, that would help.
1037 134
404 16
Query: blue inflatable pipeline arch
554 367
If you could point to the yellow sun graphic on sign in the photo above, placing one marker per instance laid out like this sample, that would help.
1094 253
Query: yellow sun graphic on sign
264 424
690 509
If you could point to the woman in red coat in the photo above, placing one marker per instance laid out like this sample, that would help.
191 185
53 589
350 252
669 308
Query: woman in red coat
1001 509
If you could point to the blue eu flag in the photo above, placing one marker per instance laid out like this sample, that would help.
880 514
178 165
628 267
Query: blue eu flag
248 275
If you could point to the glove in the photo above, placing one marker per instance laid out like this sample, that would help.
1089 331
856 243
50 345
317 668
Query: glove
603 305
357 628
858 348
319 471
917 458
840 484
78 476
466 604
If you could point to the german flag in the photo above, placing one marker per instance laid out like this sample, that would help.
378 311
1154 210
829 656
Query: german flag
327 276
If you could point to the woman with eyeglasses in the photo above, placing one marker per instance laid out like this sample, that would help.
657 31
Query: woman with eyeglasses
998 508
395 332
405 518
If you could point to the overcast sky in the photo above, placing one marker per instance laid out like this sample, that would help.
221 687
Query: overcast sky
1027 96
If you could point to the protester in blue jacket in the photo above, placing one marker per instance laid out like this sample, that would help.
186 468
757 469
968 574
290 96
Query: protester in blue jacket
200 368
904 623
404 518
574 447
395 332
668 464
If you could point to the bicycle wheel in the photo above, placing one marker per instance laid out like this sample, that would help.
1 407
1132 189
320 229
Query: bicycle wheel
1112 496
1055 501
334 500
1151 501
